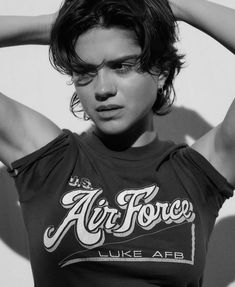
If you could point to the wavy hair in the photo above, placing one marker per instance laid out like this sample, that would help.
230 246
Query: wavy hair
153 23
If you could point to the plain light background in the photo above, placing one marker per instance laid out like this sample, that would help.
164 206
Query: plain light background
205 89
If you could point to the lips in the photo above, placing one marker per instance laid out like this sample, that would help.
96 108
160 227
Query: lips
105 108
108 112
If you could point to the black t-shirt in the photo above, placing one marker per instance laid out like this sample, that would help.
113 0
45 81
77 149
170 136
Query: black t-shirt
134 218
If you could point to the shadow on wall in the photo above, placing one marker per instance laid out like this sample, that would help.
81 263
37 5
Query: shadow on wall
176 126
181 122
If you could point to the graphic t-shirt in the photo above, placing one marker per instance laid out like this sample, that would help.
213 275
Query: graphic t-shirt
135 218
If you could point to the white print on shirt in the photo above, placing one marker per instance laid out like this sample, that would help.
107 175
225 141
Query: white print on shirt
92 217
80 182
175 255
139 254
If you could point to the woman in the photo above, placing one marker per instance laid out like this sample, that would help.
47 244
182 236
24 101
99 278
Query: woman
117 206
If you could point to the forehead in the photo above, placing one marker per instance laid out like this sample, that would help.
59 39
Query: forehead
101 44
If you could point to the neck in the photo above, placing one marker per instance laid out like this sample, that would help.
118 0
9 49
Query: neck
136 136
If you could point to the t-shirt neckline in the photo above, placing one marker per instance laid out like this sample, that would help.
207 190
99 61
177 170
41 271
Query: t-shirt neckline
154 148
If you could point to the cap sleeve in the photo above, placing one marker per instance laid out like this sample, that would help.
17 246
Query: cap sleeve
191 166
37 171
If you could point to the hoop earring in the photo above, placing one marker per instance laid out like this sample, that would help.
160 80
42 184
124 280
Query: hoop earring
161 91
85 116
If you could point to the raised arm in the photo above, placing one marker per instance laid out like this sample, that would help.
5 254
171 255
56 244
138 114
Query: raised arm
218 146
23 130
23 30
213 19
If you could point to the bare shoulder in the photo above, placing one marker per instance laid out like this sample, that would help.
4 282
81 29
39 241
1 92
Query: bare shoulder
213 147
22 130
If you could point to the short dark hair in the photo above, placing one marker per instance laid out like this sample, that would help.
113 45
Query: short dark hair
152 21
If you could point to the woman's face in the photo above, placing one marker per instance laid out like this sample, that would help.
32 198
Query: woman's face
114 94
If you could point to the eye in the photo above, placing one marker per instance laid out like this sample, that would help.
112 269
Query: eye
84 78
123 68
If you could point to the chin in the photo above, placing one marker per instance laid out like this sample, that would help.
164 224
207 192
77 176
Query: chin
113 128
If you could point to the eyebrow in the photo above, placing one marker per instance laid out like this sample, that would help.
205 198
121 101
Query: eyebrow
122 59
110 63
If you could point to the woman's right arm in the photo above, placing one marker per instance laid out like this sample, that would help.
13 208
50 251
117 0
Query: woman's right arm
23 30
23 130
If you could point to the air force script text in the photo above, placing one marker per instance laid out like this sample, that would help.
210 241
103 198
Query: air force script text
92 217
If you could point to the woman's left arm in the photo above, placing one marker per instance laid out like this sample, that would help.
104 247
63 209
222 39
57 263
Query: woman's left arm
213 19
217 146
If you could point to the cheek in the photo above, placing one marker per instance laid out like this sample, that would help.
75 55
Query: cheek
145 91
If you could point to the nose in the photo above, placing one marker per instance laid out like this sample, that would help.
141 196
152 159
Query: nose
104 86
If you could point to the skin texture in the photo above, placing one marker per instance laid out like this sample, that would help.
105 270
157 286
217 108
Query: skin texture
116 83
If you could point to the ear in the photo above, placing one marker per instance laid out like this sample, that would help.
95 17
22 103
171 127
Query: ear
162 79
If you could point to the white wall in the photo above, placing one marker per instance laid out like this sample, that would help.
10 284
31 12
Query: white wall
205 89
